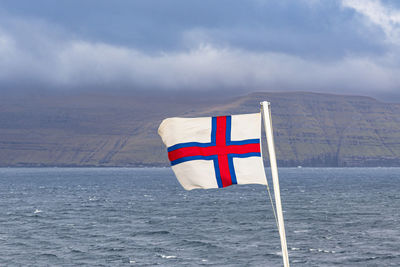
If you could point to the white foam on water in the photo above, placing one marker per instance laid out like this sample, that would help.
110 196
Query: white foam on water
300 231
37 211
168 256
322 250
295 248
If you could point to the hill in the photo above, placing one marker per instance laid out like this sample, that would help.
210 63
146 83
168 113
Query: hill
88 129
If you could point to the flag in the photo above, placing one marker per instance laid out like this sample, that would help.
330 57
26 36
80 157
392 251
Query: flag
215 152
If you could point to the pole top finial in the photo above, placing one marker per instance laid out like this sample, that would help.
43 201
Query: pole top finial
265 103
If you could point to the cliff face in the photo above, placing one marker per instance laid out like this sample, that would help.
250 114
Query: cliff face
330 130
121 130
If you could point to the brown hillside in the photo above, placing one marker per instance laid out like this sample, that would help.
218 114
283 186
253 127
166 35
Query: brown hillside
80 129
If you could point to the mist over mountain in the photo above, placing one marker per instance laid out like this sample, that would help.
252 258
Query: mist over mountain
120 129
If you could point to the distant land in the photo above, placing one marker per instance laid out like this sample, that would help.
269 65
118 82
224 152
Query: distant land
100 129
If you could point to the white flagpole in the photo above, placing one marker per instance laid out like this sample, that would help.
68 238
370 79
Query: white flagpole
274 170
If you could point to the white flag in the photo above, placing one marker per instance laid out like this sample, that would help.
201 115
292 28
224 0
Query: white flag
215 152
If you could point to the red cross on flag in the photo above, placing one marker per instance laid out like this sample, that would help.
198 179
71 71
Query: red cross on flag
215 152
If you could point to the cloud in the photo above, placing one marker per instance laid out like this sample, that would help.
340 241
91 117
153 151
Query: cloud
36 54
78 63
388 18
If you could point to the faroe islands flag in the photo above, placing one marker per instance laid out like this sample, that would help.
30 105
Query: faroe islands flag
215 152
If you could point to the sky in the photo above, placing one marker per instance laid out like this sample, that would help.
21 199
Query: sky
332 46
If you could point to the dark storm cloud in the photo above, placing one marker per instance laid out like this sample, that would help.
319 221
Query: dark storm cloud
297 27
340 46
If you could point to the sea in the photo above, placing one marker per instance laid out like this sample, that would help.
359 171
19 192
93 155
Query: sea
143 217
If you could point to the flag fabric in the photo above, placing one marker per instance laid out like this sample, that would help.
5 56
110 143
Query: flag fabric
215 152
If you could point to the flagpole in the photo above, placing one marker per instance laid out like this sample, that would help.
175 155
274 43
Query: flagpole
274 170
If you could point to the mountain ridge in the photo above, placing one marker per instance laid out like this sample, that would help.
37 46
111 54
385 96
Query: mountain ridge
99 129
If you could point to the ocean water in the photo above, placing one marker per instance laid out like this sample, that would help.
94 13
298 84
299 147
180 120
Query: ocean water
142 217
